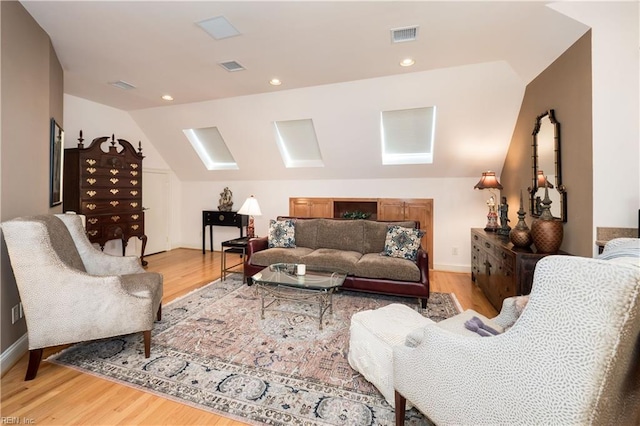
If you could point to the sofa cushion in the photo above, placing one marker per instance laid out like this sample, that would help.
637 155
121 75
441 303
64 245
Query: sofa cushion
282 233
340 260
402 242
279 255
341 234
375 234
307 233
372 265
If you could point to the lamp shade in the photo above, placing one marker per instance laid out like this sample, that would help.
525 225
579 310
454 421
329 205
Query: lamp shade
488 181
543 181
250 207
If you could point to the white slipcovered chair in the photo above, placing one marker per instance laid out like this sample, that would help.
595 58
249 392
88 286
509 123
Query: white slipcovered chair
71 291
572 357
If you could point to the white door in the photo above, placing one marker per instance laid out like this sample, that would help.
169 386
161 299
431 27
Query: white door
156 204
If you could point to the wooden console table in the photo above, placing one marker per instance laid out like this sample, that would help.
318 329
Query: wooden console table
500 269
213 218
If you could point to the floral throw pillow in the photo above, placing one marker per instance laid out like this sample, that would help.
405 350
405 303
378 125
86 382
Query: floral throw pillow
402 242
282 233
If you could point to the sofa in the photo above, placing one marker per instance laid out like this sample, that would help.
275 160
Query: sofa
353 246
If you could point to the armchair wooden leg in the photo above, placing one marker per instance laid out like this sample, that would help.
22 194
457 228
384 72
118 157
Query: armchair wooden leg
159 316
147 343
35 356
401 405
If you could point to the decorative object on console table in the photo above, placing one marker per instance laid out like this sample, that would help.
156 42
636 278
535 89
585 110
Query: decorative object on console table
225 202
213 218
520 236
250 208
546 231
104 183
503 208
490 181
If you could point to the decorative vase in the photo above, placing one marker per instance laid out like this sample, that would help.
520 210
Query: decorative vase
547 232
520 235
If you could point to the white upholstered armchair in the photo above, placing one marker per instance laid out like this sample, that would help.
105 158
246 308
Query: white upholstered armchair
71 291
572 357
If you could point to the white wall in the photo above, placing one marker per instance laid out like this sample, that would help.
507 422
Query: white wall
616 108
97 120
457 208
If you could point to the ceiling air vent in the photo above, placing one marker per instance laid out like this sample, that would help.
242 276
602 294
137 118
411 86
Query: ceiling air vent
231 66
399 35
122 85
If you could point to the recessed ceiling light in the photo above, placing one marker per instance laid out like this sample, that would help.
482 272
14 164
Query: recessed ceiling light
407 62
275 82
167 97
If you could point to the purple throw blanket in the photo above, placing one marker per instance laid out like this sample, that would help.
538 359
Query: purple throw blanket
476 325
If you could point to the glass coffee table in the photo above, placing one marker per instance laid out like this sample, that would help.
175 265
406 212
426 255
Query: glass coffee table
280 281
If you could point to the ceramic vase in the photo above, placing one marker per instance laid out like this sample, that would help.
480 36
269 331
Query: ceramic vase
520 235
547 232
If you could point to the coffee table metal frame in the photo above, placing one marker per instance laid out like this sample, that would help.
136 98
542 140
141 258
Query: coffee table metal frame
279 282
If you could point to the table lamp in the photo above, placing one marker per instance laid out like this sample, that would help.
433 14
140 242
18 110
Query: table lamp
250 208
490 181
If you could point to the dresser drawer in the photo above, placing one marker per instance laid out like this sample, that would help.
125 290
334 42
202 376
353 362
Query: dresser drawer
96 207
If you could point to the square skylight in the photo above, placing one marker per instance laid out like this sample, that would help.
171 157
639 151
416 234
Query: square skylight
218 27
211 148
407 135
298 143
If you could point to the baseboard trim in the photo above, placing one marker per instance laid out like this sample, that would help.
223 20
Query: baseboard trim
13 354
453 268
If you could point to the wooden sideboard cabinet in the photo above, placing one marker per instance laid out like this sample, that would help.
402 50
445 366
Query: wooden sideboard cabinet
311 207
500 269
104 183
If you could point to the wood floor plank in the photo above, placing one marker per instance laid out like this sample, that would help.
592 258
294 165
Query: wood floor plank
63 396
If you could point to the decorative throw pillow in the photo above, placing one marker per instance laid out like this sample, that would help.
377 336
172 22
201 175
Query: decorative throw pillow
402 242
282 233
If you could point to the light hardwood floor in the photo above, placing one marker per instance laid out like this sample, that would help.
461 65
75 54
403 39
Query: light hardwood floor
62 396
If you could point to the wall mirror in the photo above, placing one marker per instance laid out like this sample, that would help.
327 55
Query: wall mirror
546 164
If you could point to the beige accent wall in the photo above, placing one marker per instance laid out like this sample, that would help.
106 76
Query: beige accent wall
31 94
564 86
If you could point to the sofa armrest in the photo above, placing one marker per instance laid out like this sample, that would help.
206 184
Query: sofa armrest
422 260
256 244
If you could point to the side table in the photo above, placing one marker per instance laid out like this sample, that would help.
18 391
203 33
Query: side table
236 246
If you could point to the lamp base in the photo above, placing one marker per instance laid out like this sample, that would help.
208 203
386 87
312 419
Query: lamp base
251 230
492 222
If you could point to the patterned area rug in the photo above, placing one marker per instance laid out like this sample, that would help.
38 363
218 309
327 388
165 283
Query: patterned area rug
212 351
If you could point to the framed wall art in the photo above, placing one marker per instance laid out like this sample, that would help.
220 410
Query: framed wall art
56 161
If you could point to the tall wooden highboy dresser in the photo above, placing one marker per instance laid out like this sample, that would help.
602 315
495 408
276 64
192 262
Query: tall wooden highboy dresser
104 183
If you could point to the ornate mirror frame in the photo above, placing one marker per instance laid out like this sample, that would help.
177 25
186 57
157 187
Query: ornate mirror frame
546 158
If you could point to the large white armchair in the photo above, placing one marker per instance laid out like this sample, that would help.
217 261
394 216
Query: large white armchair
71 291
572 357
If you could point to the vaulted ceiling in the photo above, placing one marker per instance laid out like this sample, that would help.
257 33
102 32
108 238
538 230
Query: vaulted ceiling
337 65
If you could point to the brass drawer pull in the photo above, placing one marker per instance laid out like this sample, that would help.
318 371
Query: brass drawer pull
114 191
91 181
92 220
91 161
91 206
115 218
114 203
114 171
91 170
114 180
91 193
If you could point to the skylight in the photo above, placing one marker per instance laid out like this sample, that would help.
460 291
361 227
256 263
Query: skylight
298 143
407 135
211 148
